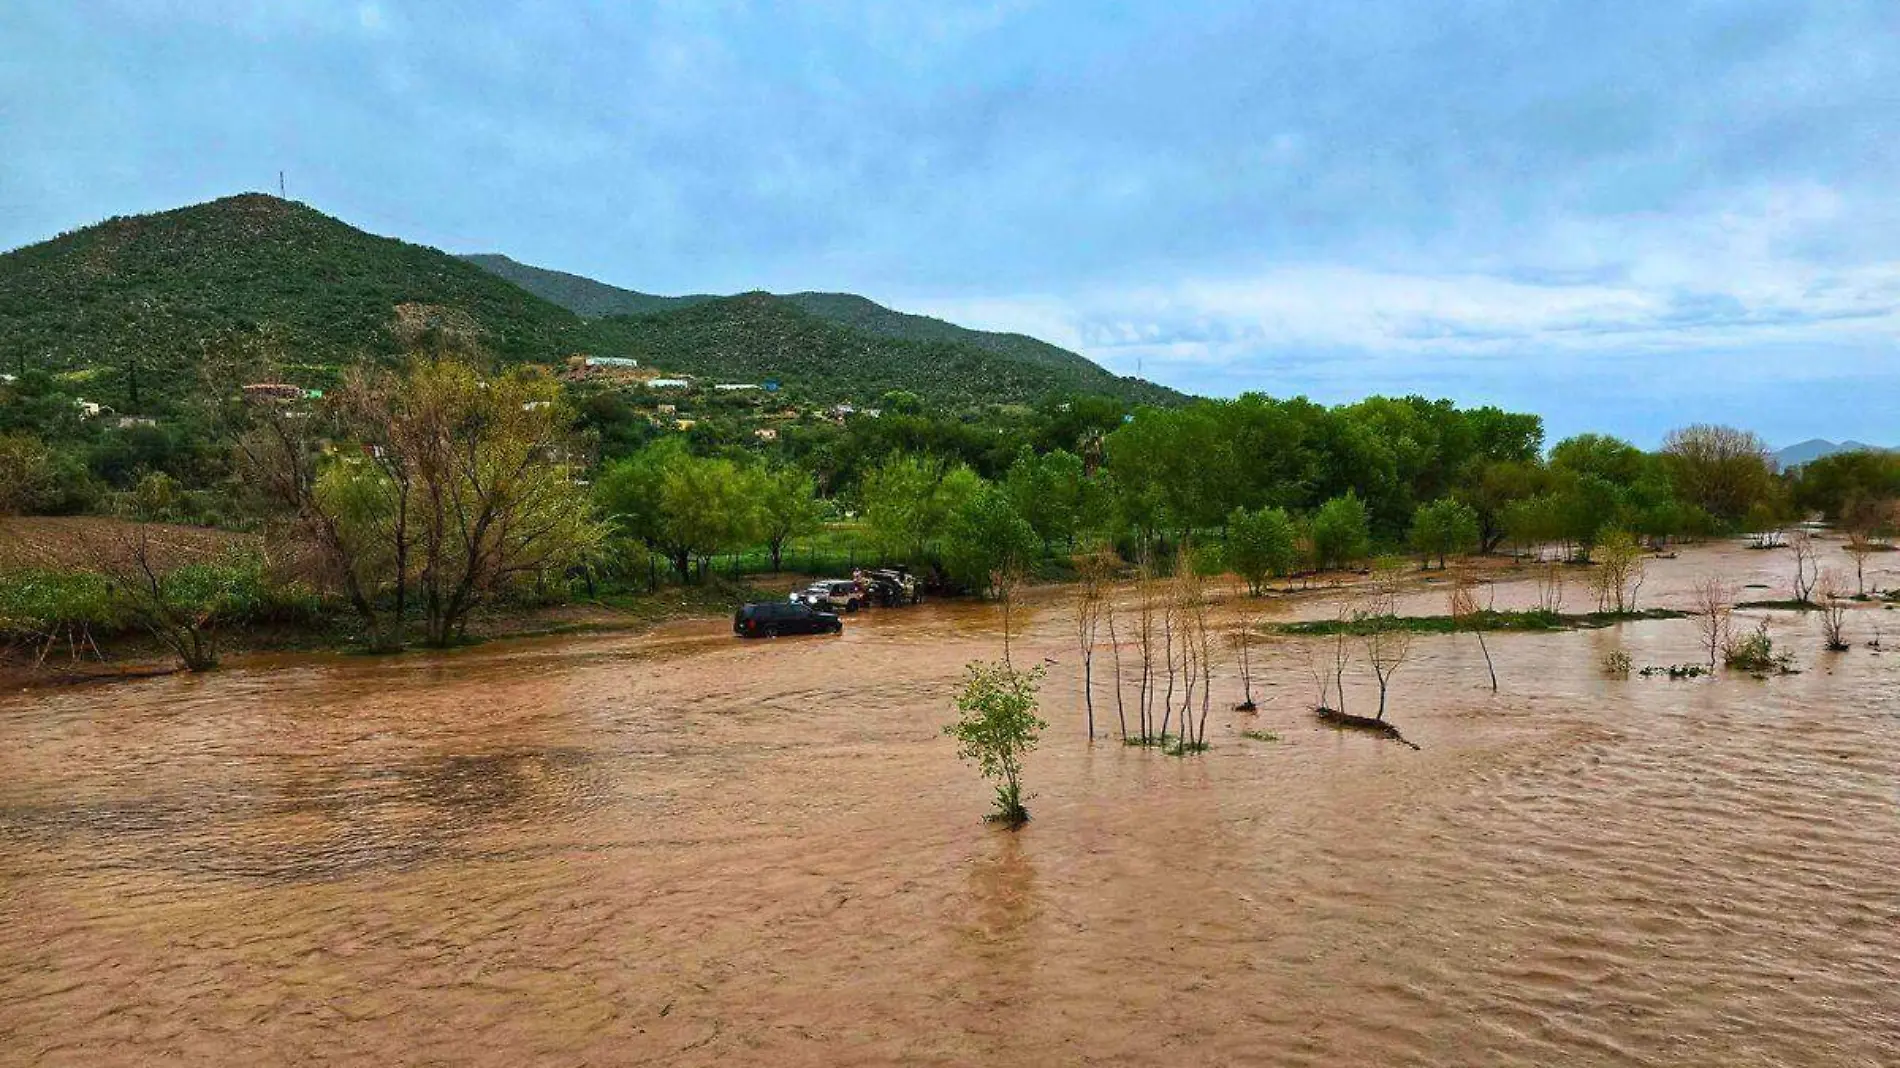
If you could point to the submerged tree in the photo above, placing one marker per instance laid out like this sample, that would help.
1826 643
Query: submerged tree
1549 578
1714 601
1833 594
1327 661
1807 564
1005 579
996 725
1187 608
1463 603
1619 573
1115 652
1387 641
1858 548
1240 636
1145 643
1093 572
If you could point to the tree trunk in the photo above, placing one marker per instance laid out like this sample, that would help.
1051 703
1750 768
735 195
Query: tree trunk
1487 660
1088 690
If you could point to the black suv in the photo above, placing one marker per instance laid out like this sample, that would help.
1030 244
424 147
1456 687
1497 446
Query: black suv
769 619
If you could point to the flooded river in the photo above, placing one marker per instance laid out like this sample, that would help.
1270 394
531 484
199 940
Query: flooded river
677 848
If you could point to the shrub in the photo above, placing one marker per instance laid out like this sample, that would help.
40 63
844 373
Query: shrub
1676 671
1617 664
996 725
1755 652
184 606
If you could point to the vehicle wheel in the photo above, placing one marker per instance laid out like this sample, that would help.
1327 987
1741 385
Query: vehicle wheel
771 631
837 628
851 606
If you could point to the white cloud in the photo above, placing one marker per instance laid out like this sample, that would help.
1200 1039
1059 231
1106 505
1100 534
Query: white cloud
1624 289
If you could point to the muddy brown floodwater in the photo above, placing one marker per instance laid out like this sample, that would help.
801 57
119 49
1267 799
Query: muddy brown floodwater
680 848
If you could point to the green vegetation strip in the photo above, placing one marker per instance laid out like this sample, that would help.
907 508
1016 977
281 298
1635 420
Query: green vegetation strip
1487 620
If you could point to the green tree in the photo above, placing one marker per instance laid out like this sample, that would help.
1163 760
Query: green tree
1840 485
1532 521
908 501
1492 489
788 507
684 507
1445 527
996 725
1047 491
1260 543
1341 532
450 484
1599 455
902 402
1722 470
985 537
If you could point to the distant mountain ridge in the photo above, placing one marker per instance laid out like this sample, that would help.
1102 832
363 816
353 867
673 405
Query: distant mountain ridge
131 306
592 299
1815 448
581 295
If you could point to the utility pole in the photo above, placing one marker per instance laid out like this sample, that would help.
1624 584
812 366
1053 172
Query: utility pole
280 186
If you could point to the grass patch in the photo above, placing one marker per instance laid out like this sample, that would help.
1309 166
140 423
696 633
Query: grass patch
1786 605
1155 741
1675 671
1533 620
1260 736
1184 748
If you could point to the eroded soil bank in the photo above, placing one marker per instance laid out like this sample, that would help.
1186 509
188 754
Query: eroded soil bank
679 848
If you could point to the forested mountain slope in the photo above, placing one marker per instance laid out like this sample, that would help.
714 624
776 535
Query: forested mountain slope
593 299
127 309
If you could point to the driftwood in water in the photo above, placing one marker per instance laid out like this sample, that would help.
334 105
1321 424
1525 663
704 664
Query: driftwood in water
1245 706
1348 721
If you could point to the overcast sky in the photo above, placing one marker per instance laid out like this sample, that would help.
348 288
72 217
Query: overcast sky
1625 216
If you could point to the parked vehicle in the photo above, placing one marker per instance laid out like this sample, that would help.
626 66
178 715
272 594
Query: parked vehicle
891 586
769 619
837 595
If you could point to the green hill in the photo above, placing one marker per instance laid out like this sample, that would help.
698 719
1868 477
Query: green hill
137 299
154 289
